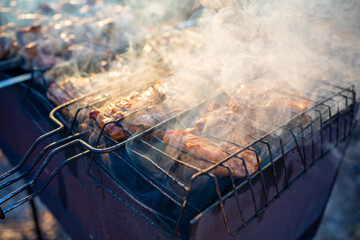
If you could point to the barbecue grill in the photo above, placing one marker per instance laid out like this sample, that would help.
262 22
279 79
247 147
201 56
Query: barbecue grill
101 188
139 185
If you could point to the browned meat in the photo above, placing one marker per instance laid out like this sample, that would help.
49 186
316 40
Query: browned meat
240 120
295 104
112 129
72 87
250 98
57 95
224 124
78 86
135 111
202 153
143 109
145 119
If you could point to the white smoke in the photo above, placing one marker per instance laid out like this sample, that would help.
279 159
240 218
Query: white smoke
293 41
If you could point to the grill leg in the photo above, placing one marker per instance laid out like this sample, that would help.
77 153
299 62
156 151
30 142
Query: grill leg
35 217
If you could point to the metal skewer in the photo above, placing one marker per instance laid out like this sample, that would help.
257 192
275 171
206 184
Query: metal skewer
15 80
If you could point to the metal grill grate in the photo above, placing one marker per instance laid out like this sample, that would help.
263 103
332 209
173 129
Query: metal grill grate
288 147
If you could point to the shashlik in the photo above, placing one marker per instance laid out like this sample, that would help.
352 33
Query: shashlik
202 153
58 34
221 131
217 132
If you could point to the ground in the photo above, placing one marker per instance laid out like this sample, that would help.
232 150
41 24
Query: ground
342 216
19 224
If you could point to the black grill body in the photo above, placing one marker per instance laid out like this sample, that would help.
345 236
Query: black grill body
103 209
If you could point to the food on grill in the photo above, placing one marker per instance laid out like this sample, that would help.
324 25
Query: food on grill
57 95
124 108
279 97
142 109
57 33
136 112
70 88
228 121
39 56
273 104
150 66
203 153
249 106
221 122
8 46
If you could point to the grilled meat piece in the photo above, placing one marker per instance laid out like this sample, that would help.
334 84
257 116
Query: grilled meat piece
113 130
249 98
241 119
202 153
252 106
145 119
296 104
133 112
52 34
144 109
72 87
223 123
225 128
57 95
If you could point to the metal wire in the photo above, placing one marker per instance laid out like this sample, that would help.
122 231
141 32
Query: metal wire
188 187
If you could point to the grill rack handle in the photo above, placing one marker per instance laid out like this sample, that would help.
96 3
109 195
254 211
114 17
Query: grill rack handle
42 138
88 148
32 149
34 179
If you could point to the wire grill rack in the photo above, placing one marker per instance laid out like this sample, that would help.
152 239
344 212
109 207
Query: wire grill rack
170 192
